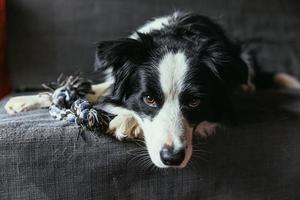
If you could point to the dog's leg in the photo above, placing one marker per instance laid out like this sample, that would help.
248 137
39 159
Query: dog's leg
283 80
44 100
125 125
26 103
99 90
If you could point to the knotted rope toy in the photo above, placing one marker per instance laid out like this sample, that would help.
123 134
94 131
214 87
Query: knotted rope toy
68 103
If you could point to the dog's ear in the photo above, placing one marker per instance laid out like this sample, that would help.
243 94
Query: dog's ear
114 54
120 58
225 62
242 71
237 70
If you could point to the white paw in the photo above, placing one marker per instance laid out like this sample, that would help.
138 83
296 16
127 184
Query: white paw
125 127
26 103
206 129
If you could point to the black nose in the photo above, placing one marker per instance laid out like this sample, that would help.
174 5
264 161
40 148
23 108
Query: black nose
169 156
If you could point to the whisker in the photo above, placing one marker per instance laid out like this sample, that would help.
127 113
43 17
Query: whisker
140 145
139 140
137 158
200 143
202 152
200 158
136 150
143 162
150 165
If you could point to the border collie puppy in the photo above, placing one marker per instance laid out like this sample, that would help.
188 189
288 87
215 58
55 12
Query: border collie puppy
171 79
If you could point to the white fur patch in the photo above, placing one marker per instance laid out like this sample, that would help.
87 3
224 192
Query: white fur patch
172 70
26 103
169 122
156 24
126 125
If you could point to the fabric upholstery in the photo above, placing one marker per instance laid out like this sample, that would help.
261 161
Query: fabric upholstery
256 158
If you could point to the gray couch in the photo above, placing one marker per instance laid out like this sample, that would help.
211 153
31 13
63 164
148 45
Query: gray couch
258 157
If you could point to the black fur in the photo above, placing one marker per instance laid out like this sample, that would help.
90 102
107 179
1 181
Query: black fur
215 67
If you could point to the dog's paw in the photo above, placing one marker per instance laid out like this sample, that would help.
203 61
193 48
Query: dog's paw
27 103
206 129
125 127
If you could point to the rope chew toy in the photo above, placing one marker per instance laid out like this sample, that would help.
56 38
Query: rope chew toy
68 103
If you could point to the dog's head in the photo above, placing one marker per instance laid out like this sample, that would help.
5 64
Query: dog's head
173 80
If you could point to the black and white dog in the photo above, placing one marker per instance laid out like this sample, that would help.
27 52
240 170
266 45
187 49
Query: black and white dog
171 79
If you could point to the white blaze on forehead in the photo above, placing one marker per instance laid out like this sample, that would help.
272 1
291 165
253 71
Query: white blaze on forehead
167 127
172 70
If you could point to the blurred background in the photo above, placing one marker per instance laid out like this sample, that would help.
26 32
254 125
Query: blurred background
45 38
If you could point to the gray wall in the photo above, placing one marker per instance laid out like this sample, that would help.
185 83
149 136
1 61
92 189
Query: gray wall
47 37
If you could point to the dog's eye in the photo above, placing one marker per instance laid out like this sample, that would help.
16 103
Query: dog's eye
194 103
150 101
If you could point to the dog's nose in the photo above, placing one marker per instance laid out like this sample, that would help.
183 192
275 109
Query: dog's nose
170 156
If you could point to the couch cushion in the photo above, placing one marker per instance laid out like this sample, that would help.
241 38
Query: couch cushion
258 158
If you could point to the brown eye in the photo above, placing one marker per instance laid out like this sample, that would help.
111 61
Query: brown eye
150 101
194 103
